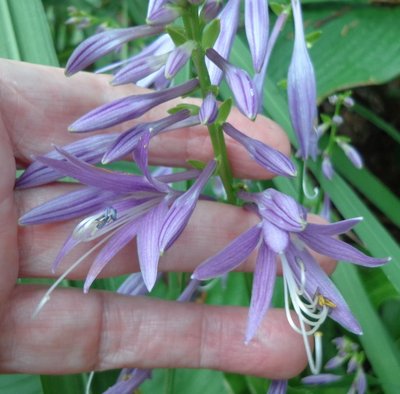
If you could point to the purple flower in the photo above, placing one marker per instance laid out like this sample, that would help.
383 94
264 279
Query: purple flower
178 58
128 108
302 93
320 379
115 208
257 27
208 110
103 43
139 68
211 9
269 158
352 154
89 149
160 12
284 232
240 83
278 387
327 167
229 18
126 142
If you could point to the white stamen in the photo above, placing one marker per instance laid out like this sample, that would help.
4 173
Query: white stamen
89 382
46 297
309 310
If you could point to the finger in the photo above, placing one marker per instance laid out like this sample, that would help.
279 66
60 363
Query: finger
99 331
212 227
56 101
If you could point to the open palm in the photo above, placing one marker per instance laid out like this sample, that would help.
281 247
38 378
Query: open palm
80 332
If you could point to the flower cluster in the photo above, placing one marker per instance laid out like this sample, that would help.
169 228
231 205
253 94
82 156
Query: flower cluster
114 207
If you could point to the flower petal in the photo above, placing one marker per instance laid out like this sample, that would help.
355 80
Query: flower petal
147 243
231 256
269 158
182 208
339 250
103 43
331 229
128 108
263 288
89 150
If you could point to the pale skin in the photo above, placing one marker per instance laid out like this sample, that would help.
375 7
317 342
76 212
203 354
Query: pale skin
78 332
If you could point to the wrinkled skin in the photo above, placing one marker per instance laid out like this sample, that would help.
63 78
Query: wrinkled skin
80 332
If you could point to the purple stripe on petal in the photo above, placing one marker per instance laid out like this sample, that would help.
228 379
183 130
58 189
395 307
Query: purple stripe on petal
231 256
68 206
147 243
92 176
178 58
229 18
182 209
327 168
336 362
103 43
339 250
210 9
302 92
89 150
278 387
331 229
257 27
240 83
267 157
208 110
189 291
323 378
129 380
119 240
263 287
128 108
69 244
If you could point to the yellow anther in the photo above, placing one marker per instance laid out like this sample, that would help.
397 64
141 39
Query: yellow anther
323 301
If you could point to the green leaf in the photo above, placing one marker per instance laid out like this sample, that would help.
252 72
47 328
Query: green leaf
210 33
8 40
63 384
32 33
177 34
194 109
359 46
224 111
21 384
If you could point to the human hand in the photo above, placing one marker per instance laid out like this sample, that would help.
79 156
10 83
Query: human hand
78 332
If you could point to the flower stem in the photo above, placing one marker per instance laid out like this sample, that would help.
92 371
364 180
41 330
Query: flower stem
193 28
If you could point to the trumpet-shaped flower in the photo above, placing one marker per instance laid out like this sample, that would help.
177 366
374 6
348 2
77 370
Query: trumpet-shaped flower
302 92
240 83
284 232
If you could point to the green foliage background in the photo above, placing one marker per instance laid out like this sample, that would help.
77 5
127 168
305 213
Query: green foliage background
358 45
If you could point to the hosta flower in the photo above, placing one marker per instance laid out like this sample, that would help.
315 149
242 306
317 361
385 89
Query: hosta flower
103 43
128 108
302 92
117 207
278 387
208 110
283 231
269 158
240 83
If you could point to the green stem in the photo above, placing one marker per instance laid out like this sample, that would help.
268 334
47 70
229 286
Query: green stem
192 25
332 135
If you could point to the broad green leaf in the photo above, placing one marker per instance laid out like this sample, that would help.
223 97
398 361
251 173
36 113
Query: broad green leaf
21 384
8 40
63 384
32 32
378 346
210 33
358 46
